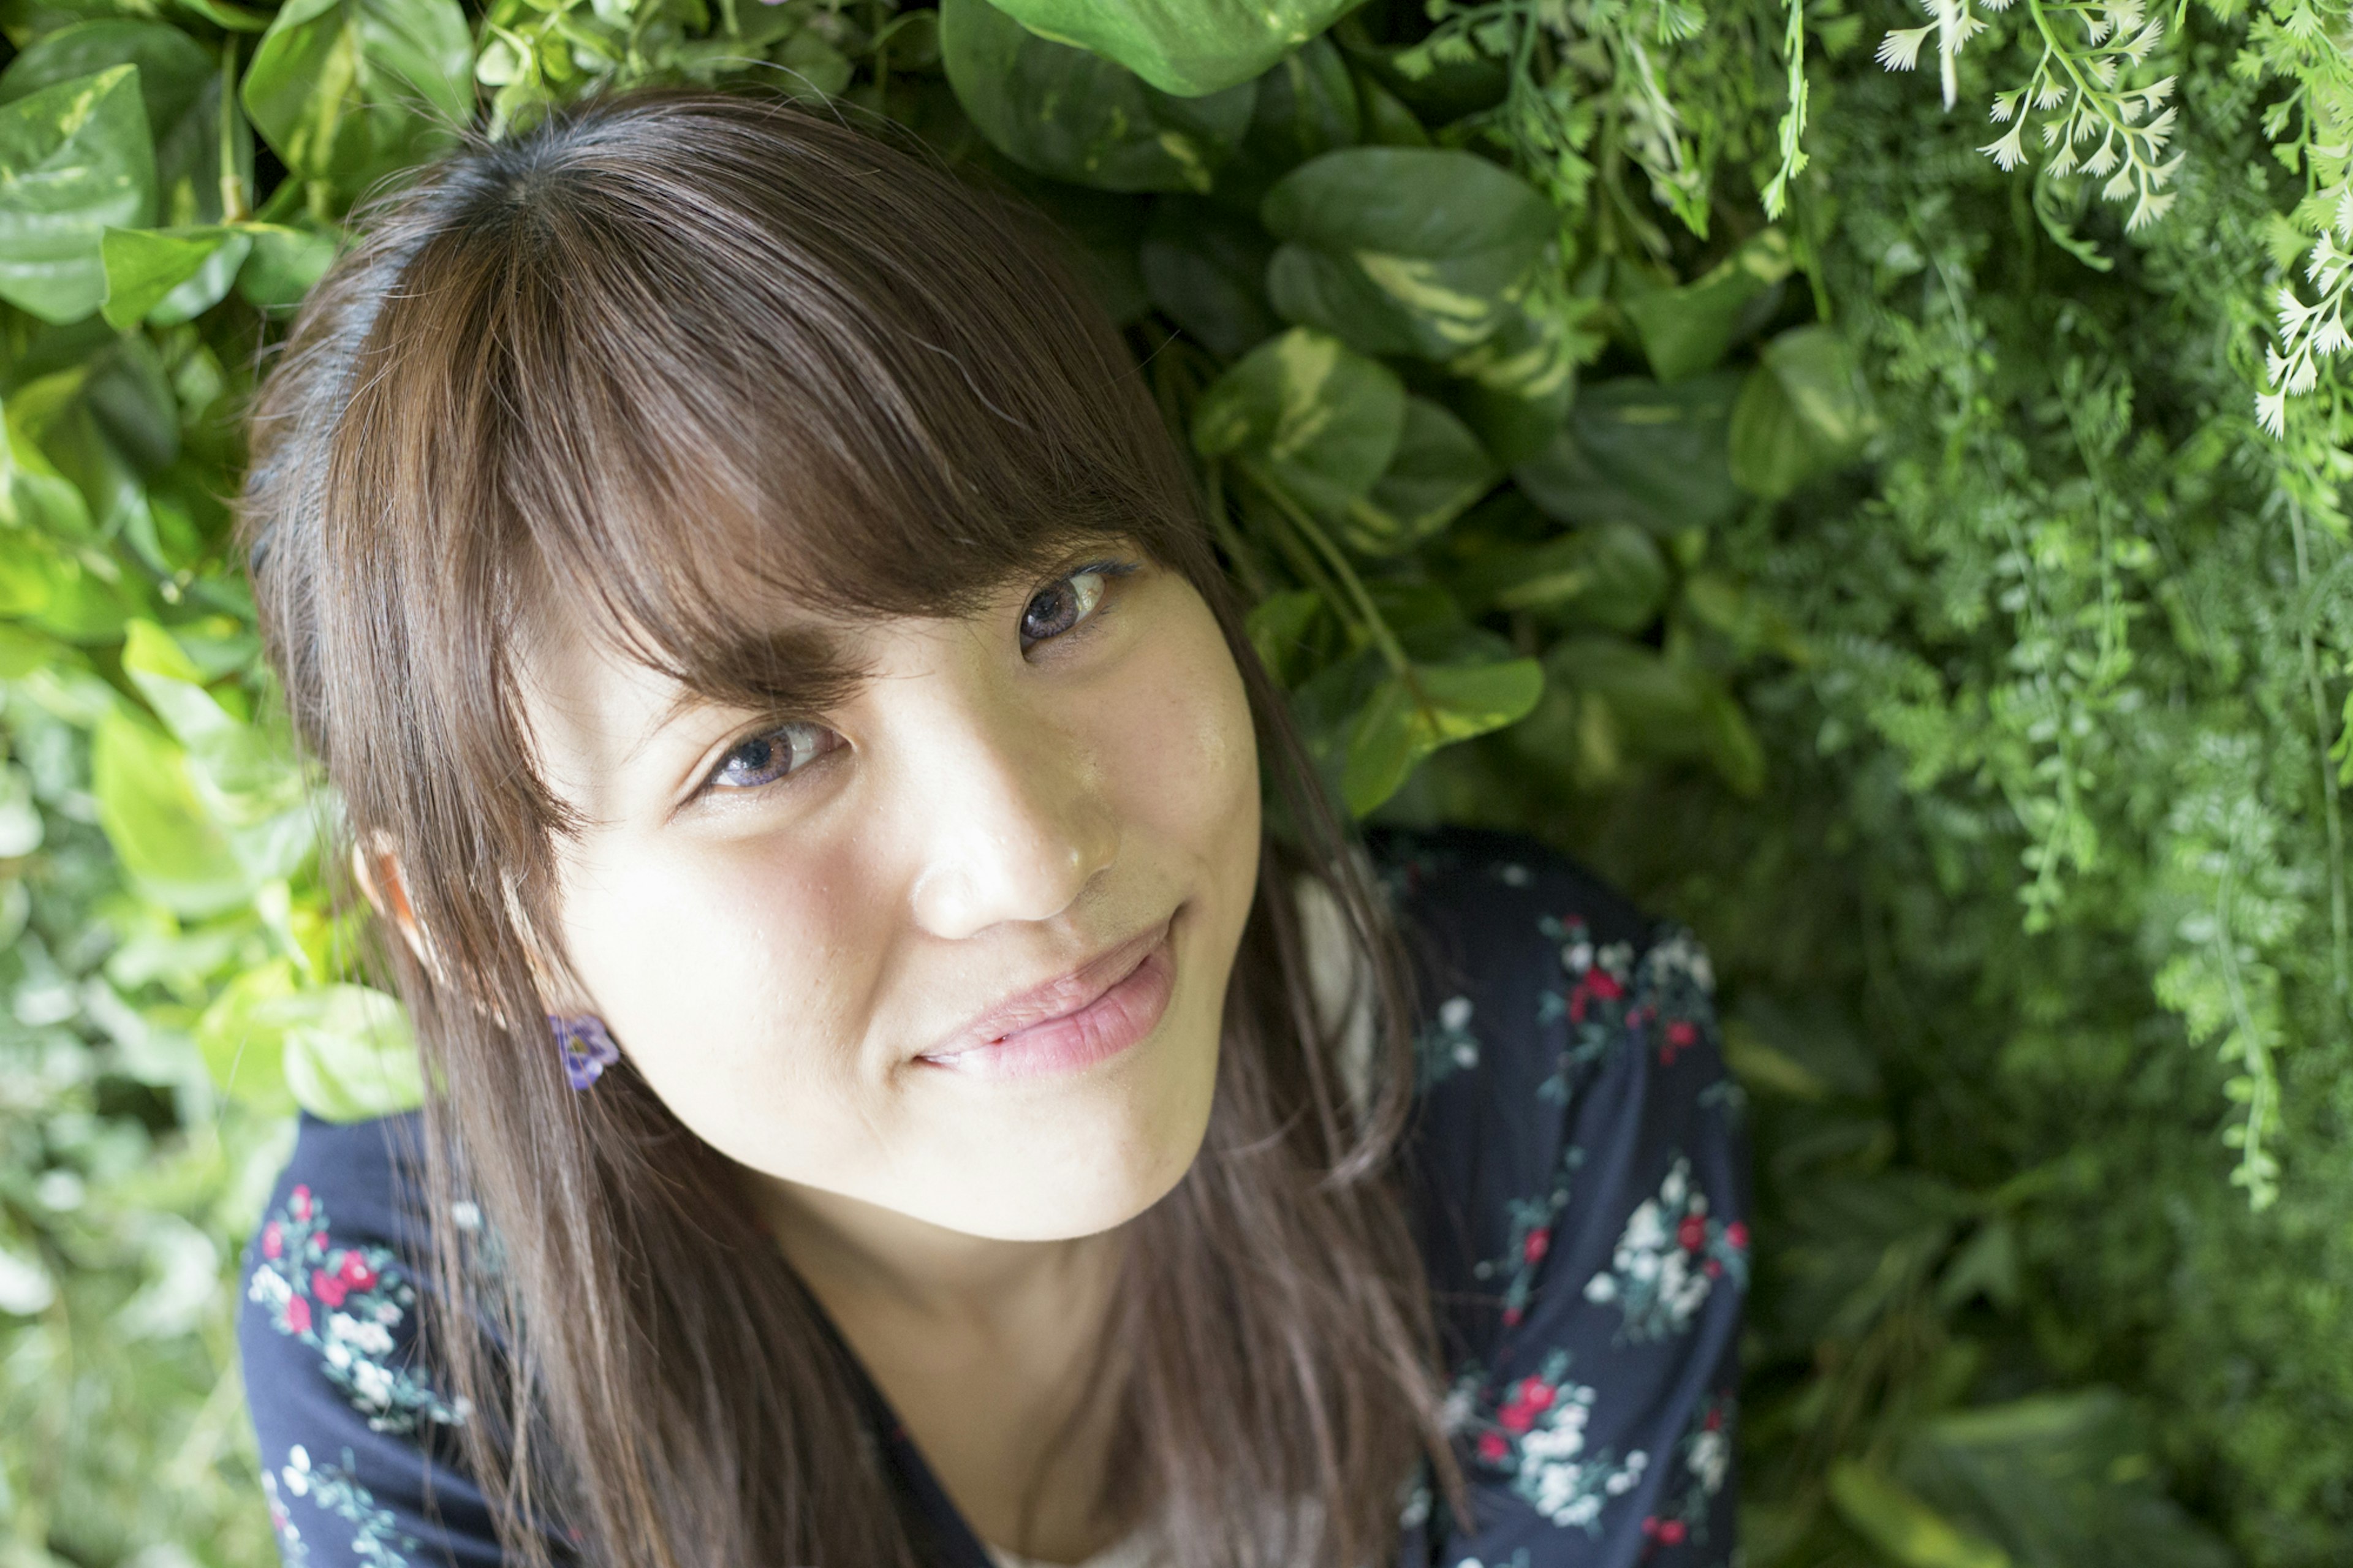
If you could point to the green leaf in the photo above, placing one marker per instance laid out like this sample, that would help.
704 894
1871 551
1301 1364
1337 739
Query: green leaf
283 265
2058 1480
148 805
1609 701
144 267
1404 249
1804 411
1206 270
350 90
180 87
1278 625
1189 47
1686 331
248 782
1306 106
349 1055
1424 707
1610 574
1636 451
1900 1525
75 158
1440 470
1310 413
20 820
1071 115
344 1053
243 1051
36 495
1518 386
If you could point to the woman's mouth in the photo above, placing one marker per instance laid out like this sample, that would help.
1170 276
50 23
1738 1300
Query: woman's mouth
1122 1013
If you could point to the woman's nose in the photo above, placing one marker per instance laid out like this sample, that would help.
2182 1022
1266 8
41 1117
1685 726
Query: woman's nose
1012 812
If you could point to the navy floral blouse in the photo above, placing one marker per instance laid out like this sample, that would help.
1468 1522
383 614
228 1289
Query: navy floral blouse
1579 1183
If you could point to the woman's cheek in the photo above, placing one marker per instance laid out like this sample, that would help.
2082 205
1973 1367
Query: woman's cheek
1187 752
701 967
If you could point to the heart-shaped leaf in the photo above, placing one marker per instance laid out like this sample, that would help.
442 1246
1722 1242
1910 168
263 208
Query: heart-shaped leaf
75 159
348 90
1184 47
1637 451
1308 413
1404 249
1067 113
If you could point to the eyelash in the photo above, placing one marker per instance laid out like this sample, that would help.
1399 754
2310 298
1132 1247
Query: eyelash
1109 569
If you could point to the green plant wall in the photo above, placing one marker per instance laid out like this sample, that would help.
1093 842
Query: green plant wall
1869 477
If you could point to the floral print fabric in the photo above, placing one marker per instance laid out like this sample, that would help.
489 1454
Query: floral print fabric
1579 1183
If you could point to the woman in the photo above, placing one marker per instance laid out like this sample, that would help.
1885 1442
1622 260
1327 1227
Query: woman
897 1100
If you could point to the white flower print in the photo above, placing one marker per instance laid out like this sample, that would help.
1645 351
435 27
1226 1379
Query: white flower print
1668 1259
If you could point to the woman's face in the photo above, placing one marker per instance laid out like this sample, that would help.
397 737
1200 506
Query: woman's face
958 949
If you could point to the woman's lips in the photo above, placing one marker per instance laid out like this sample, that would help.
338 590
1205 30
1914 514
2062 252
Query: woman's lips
1124 1014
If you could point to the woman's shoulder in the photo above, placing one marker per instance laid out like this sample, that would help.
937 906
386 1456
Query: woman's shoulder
1579 1180
359 1456
1520 948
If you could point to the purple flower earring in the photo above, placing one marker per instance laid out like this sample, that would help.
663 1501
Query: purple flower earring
589 1049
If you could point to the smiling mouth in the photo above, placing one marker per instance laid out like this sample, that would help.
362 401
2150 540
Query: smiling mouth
1086 1016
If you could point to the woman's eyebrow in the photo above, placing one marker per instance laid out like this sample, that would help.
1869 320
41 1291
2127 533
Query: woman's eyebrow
793 669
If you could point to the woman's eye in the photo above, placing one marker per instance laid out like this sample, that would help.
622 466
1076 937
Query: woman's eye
777 753
1059 606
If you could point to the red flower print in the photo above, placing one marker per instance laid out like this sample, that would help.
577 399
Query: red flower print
273 1240
1538 1243
1604 985
327 1286
300 1202
298 1316
1715 1420
1737 1236
1671 1530
1713 1268
1492 1447
1511 1316
1651 1525
355 1273
1528 1400
1692 1234
1681 1035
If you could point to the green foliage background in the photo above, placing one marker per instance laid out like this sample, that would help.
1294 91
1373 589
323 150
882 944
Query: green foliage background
1895 524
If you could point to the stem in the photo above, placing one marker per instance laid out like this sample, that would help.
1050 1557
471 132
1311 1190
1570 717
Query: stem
1375 627
234 207
2332 815
1238 550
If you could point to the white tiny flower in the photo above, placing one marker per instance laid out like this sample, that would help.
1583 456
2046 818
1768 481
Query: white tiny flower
1454 1013
1601 1288
1466 1055
372 1384
465 1215
1578 957
1513 874
2008 151
1900 50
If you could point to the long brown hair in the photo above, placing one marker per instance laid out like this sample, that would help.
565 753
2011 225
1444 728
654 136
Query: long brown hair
604 374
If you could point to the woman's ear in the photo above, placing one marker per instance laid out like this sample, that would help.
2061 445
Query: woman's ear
375 867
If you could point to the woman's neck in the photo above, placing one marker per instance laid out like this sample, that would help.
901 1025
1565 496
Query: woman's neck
987 1351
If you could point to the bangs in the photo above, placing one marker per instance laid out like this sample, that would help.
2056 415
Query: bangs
698 403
